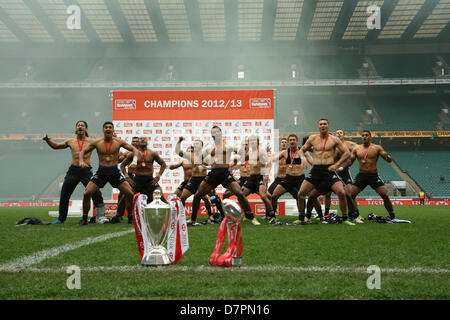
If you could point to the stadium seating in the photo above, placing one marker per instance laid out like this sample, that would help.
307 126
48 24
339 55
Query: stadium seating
405 66
406 112
344 112
331 67
426 168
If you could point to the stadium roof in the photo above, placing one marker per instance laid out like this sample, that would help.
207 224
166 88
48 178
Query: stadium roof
212 22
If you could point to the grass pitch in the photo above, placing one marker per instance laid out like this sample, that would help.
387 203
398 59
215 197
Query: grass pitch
281 262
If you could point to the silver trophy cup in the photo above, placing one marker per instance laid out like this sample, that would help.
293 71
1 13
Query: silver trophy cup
157 214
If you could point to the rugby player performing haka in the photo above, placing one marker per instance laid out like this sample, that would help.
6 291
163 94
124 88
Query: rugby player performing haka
194 172
108 155
367 154
343 173
295 172
322 177
240 162
76 174
130 171
142 180
219 157
259 167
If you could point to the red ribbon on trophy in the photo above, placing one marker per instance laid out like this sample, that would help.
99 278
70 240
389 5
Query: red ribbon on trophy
232 227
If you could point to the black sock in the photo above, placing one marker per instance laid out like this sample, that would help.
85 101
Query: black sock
301 216
327 210
319 212
392 215
249 215
85 216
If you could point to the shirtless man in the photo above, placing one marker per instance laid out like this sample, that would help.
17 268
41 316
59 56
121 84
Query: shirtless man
75 174
259 168
194 173
142 180
108 156
220 156
281 171
346 178
295 172
367 155
130 171
322 176
241 163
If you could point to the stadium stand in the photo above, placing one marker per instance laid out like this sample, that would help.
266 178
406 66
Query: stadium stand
331 67
405 66
406 112
132 69
426 168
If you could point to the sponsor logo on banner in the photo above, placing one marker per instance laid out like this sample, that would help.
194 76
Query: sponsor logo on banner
219 124
260 209
128 124
168 124
148 131
129 132
187 124
260 103
158 131
165 138
168 145
157 145
177 131
139 124
125 104
118 131
228 124
258 123
157 124
247 124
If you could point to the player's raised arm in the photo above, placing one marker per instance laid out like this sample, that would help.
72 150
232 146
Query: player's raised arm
129 147
163 165
384 154
353 155
306 147
128 159
91 146
55 145
180 152
176 166
345 154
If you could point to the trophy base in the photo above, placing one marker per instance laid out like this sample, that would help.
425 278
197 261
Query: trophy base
237 262
156 257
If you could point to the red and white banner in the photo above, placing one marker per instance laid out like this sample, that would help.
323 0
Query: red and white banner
409 202
164 116
177 237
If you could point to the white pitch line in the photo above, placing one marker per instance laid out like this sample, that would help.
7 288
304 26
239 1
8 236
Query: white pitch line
203 268
37 257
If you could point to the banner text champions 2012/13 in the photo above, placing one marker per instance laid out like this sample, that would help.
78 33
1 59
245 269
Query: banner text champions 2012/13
222 103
